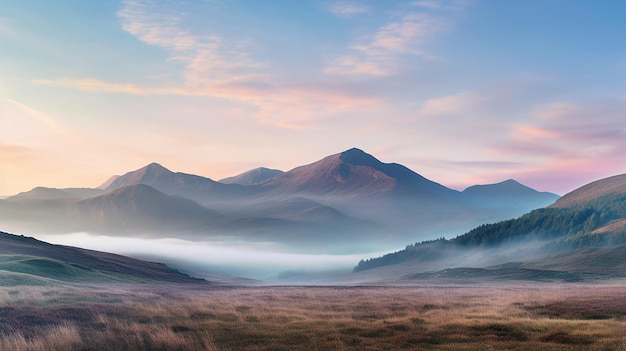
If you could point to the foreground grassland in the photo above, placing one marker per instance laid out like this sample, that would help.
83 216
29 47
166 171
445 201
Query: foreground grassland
435 317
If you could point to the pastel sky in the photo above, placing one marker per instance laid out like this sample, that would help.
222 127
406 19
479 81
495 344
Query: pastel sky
461 91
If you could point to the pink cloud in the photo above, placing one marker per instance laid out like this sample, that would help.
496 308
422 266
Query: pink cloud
569 144
458 104
217 67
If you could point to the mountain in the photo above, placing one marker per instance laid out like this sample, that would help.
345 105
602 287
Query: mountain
108 182
348 201
201 189
354 172
507 195
570 235
28 261
253 177
43 193
141 208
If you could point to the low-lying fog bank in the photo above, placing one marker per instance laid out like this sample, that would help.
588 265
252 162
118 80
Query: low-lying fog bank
205 259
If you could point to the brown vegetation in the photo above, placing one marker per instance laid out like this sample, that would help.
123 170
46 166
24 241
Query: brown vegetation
178 317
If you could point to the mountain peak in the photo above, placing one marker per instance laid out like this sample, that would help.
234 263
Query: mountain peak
147 175
511 181
155 168
502 189
359 157
356 172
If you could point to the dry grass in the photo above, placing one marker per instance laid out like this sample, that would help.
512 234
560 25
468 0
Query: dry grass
499 317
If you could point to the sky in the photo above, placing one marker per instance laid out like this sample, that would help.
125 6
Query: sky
461 91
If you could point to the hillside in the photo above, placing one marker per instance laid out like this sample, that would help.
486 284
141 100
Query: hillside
141 207
25 260
606 187
591 217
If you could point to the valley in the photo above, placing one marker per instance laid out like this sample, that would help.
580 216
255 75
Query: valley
344 205
534 282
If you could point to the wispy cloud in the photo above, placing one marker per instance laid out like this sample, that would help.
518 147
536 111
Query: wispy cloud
582 141
381 55
21 112
95 85
208 58
452 105
442 4
11 153
574 129
344 8
216 66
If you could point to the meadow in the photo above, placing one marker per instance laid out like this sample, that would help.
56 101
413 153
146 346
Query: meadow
512 316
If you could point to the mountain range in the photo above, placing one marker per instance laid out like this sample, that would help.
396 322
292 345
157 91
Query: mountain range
581 236
349 201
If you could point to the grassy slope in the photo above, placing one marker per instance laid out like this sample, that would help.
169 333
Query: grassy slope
36 262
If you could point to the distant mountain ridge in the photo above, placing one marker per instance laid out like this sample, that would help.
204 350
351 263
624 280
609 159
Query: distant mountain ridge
139 206
499 195
197 188
350 198
253 177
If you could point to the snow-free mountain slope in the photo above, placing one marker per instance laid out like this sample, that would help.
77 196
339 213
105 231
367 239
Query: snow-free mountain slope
253 177
507 194
353 172
142 208
198 188
43 193
615 185
108 182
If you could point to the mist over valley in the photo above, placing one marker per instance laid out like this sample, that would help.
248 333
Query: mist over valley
326 215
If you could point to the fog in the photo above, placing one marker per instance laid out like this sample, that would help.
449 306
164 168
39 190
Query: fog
205 259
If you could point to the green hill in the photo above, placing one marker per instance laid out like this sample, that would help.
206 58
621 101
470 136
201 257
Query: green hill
28 261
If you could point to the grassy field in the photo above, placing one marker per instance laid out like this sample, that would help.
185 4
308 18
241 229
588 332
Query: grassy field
524 316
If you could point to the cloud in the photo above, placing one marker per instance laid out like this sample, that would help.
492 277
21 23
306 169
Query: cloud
458 104
583 129
12 153
26 118
580 141
442 4
215 66
344 8
382 53
208 58
95 85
